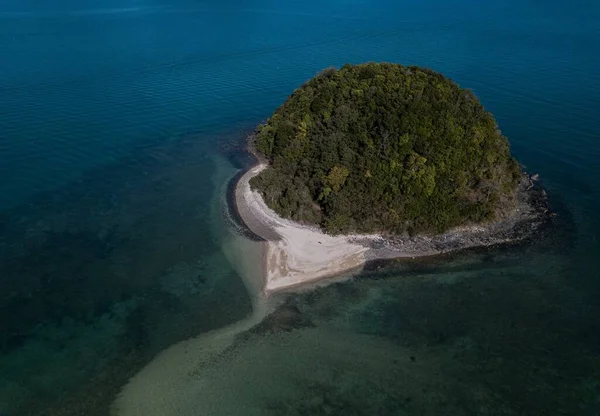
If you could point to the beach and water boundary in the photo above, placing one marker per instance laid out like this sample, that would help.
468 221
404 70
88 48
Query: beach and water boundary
178 377
297 254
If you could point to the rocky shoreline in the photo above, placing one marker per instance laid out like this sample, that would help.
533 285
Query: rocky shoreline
531 212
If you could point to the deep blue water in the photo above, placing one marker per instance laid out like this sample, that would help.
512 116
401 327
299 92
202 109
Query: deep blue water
121 121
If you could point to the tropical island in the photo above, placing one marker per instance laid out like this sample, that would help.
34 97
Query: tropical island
381 160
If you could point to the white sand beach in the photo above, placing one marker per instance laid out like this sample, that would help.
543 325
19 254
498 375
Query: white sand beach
295 254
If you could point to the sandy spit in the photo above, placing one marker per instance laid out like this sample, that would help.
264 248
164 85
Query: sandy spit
296 254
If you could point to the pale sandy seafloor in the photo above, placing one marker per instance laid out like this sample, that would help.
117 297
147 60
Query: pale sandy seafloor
171 383
222 373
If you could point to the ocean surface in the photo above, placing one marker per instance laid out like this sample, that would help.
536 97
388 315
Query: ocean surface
122 123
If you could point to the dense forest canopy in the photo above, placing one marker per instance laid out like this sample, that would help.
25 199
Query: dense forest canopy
381 147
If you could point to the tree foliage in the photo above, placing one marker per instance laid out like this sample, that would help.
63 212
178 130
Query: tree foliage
381 147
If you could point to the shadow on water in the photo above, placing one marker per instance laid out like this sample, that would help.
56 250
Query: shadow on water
99 276
235 150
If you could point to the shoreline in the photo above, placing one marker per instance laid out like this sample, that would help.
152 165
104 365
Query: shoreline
294 254
297 255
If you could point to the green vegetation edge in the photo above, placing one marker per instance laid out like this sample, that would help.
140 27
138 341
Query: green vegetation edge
385 148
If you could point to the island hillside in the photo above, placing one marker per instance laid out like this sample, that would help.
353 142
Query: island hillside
385 148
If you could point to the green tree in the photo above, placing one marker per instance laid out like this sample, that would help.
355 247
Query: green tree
381 147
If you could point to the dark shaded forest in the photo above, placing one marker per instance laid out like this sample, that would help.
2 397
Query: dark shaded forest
381 147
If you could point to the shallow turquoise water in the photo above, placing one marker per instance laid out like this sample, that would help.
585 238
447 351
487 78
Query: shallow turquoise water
120 124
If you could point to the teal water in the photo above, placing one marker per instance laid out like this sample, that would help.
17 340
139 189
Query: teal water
121 123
